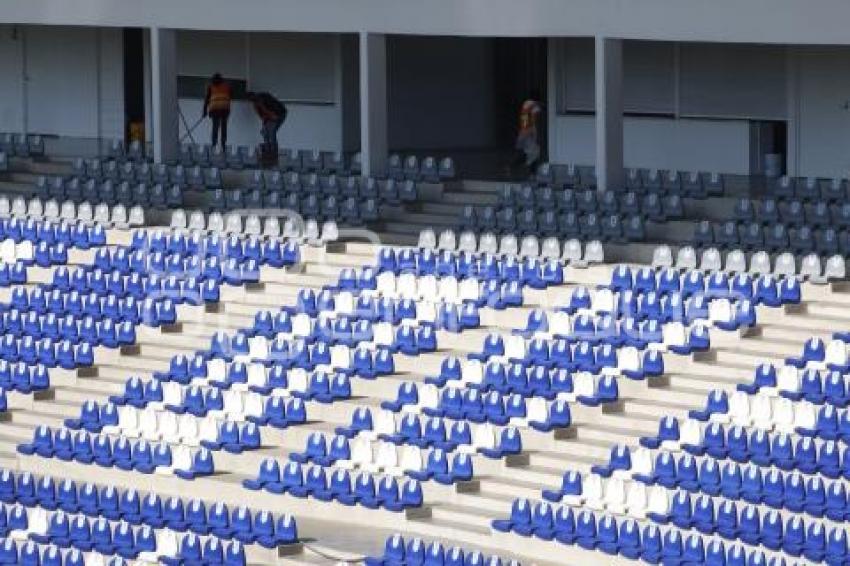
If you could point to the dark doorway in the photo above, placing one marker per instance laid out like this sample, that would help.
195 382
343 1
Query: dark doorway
460 97
520 71
134 80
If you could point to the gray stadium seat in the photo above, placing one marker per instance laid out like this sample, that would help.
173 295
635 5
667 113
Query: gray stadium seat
835 268
594 252
51 209
428 239
118 216
249 156
447 168
686 258
197 221
662 256
5 206
330 231
271 227
19 207
760 263
35 208
411 168
447 240
356 166
550 248
736 261
312 235
69 211
233 223
529 246
488 243
218 157
710 260
508 245
101 213
572 253
215 222
430 170
786 265
333 162
253 225
178 219
810 268
84 212
136 216
233 158
467 242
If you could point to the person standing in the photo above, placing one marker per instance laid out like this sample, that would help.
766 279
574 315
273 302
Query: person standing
272 114
217 107
527 144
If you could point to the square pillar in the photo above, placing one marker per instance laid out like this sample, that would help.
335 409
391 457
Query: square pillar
373 103
609 114
164 102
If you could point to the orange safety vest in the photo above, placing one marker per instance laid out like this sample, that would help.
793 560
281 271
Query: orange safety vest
219 97
528 116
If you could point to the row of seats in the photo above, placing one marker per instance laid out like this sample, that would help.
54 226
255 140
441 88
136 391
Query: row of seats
348 211
571 251
229 157
428 169
651 206
368 490
777 238
690 184
784 264
809 189
94 172
143 194
609 227
671 544
85 212
90 517
793 213
134 151
32 233
21 145
254 225
414 552
119 452
269 182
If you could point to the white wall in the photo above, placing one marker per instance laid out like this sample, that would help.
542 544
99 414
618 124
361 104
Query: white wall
662 143
11 87
75 82
767 21
309 125
823 111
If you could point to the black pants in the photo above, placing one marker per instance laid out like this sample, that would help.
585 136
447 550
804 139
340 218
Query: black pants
269 131
519 161
219 126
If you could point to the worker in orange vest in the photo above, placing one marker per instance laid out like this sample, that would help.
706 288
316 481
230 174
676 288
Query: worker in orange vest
527 144
217 107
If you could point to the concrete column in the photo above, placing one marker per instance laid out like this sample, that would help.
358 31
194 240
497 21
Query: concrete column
609 113
373 103
553 63
164 104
